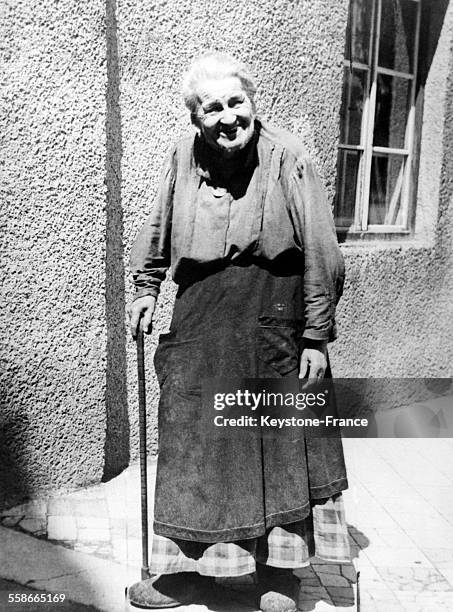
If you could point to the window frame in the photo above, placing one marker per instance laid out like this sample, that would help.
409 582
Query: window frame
366 149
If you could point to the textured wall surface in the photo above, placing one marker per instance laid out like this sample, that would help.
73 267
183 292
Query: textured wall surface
395 316
90 105
53 350
295 50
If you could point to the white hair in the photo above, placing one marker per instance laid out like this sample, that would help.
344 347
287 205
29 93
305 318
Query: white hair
214 65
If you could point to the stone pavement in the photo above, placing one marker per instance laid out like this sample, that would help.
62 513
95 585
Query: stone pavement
399 510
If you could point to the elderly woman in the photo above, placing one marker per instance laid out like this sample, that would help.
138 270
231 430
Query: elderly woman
242 221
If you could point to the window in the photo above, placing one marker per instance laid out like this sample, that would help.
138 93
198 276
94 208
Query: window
375 177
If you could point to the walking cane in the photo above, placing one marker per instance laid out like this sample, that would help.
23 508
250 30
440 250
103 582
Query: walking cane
142 436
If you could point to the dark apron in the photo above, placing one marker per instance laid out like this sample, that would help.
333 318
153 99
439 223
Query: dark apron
235 321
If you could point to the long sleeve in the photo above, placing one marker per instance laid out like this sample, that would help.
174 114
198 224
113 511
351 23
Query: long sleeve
150 254
324 264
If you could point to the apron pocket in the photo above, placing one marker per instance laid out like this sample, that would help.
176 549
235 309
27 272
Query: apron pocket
278 343
180 361
179 367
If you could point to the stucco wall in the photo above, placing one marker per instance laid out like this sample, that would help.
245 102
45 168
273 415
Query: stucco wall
53 336
91 105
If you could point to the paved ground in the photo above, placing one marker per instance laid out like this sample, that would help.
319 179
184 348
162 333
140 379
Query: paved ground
399 511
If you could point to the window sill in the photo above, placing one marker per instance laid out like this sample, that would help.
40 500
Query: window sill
381 241
373 234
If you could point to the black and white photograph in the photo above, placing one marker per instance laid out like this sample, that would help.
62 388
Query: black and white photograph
227 306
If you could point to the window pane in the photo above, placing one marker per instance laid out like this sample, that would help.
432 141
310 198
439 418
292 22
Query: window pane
392 108
358 35
397 35
347 172
354 87
387 172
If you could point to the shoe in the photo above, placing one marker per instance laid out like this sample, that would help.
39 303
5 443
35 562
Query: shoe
279 589
167 590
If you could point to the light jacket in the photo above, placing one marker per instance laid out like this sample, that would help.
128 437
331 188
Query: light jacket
283 209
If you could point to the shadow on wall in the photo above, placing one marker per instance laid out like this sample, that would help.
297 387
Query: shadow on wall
116 449
13 475
34 564
431 23
432 19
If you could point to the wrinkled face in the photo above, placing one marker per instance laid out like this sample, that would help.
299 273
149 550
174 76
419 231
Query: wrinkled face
225 114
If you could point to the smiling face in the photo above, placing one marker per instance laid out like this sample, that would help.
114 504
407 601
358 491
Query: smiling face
225 114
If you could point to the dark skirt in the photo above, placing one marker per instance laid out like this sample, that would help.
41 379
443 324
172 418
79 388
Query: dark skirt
236 321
